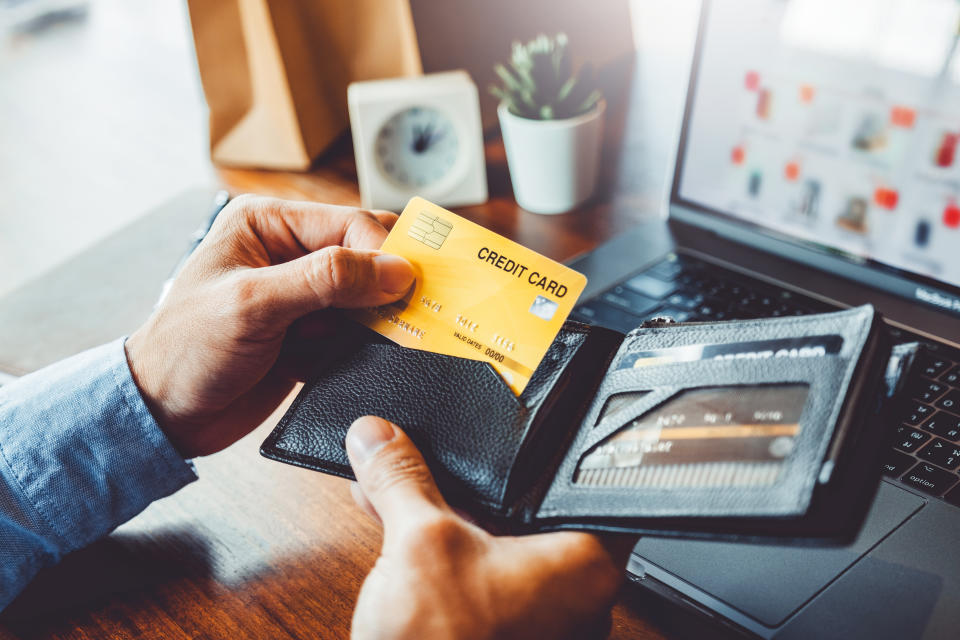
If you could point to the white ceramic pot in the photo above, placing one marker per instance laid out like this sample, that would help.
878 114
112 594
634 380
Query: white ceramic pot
553 163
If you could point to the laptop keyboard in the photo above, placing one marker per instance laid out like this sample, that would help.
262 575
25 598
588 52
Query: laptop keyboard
688 289
926 440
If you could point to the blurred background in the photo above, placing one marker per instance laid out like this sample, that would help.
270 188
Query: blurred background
103 117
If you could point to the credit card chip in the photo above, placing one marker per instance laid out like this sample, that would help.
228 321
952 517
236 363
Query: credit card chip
430 230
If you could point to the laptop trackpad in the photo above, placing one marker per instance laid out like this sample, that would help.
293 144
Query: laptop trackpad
769 582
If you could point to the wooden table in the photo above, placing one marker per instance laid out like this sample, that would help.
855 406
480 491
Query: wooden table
258 549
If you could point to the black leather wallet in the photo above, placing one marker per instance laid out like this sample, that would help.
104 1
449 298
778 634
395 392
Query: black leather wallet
757 429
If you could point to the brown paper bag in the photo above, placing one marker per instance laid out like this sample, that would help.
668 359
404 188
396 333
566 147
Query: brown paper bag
275 72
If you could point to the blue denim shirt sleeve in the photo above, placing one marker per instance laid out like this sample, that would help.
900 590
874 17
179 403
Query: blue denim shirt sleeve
80 454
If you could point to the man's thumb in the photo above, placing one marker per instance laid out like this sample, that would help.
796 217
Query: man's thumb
391 472
337 277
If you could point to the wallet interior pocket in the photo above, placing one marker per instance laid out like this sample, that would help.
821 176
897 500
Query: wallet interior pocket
706 439
400 384
475 433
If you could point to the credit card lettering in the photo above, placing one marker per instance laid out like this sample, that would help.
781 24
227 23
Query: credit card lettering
535 278
477 295
805 347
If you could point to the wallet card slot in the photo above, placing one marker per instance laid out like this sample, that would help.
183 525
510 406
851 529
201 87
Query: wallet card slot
489 377
711 436
690 375
787 495
459 412
843 333
467 422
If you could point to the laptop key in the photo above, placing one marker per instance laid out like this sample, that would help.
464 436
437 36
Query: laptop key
943 424
682 300
952 376
707 312
896 463
706 283
932 365
596 312
630 300
908 439
678 315
917 414
666 270
650 287
926 390
929 479
719 290
782 309
950 402
942 453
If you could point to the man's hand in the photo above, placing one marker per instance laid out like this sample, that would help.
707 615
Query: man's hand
440 577
208 360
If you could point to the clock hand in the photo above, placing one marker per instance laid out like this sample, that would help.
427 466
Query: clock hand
421 138
425 137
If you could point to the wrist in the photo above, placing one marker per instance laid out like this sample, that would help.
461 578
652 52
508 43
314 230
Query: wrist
144 369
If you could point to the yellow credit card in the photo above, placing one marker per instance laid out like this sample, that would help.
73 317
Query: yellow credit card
477 294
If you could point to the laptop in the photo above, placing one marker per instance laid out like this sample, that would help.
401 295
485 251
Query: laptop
817 169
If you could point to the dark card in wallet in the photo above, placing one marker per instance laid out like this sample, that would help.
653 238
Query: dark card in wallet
751 430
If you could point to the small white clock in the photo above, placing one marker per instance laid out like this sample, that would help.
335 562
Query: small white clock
418 136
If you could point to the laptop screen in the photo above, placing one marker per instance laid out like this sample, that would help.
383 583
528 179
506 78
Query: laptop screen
833 125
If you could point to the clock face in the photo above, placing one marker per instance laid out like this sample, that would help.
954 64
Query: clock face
417 147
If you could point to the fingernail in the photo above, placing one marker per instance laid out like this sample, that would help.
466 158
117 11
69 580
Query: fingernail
394 274
367 435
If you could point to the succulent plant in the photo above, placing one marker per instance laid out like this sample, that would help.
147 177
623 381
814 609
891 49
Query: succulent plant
540 84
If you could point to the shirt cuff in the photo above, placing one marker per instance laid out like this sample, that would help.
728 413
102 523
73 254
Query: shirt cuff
84 449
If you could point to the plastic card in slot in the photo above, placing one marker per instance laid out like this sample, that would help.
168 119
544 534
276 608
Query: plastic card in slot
713 437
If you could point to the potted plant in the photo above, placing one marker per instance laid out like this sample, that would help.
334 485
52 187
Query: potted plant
552 124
